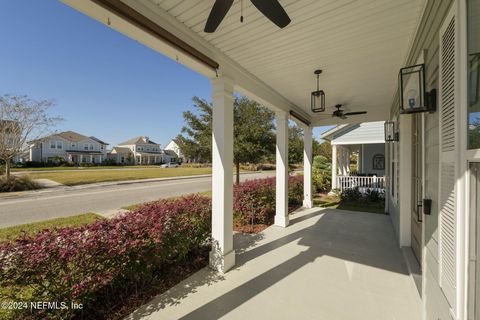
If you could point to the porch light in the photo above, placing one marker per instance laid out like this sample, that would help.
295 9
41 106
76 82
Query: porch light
318 97
390 134
413 97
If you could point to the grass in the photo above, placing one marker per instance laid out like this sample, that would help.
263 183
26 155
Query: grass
333 202
77 177
13 232
76 168
133 207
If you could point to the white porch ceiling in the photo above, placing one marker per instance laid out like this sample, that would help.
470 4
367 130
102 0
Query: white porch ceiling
359 44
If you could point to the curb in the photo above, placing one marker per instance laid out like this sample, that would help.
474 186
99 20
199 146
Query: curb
20 194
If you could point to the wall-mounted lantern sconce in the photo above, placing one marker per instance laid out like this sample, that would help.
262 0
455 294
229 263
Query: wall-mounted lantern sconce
318 97
413 97
390 133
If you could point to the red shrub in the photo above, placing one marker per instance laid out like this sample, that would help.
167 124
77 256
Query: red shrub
254 200
75 264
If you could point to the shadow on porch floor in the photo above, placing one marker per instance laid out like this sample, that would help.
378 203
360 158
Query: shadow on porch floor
328 264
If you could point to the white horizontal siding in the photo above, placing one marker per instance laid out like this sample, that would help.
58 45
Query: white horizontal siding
363 133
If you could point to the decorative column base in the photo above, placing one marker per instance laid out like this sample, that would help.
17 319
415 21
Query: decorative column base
282 221
307 203
221 262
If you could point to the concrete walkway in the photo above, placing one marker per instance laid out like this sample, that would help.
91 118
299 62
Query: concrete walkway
328 264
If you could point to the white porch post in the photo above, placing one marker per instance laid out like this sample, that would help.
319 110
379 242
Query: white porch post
307 167
222 256
334 167
281 199
347 161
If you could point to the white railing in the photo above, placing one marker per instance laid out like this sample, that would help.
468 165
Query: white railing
363 183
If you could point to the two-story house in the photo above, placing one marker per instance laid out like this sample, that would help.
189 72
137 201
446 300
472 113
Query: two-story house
173 146
70 146
139 150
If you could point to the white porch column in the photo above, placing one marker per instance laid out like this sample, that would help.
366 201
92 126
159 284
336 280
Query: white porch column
281 199
334 167
81 158
222 256
347 160
307 167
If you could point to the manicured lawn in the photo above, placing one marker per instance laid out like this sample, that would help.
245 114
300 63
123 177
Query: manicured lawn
71 178
133 207
32 228
333 202
76 168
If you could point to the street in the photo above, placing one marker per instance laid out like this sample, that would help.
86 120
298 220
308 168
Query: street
106 199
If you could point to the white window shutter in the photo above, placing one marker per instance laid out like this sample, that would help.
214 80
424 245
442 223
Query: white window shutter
448 126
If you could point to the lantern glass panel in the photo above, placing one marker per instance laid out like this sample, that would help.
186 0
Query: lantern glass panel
412 89
318 101
390 131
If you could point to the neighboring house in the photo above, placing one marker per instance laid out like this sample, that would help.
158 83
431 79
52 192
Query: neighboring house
139 150
70 146
367 141
169 156
173 146
9 132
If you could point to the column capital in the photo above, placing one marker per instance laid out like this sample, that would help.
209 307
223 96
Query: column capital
222 84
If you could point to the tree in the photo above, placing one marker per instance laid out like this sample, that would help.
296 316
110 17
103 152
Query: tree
295 144
196 140
253 132
322 149
22 120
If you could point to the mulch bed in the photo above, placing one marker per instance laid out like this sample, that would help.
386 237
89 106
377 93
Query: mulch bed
117 306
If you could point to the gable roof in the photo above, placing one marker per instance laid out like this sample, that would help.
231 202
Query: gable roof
98 140
121 150
359 133
170 153
136 140
71 136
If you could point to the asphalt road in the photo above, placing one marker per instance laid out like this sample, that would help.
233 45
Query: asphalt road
105 199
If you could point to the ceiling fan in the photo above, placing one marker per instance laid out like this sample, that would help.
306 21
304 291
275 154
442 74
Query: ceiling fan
342 114
271 9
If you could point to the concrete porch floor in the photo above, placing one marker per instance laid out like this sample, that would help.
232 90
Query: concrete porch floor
328 264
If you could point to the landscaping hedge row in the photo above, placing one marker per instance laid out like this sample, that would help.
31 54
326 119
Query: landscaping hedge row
254 200
117 256
99 263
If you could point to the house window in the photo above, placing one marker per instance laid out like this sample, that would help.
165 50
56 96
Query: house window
85 146
378 162
53 144
59 145
91 146
473 43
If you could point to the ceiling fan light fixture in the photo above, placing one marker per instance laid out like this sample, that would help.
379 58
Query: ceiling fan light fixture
317 103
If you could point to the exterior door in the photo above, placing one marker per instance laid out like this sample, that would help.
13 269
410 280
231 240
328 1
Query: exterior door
417 186
474 267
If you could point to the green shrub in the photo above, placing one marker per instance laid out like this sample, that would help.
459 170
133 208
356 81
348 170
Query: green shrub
352 194
14 183
2 169
321 174
374 196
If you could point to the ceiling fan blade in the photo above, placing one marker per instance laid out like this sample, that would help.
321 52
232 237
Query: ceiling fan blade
219 11
273 10
354 113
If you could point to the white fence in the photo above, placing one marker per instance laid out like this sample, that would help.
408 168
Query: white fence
362 182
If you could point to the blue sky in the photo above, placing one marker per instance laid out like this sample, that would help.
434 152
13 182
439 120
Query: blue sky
103 83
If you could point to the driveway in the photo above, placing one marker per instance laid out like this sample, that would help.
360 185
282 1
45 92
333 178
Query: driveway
107 200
